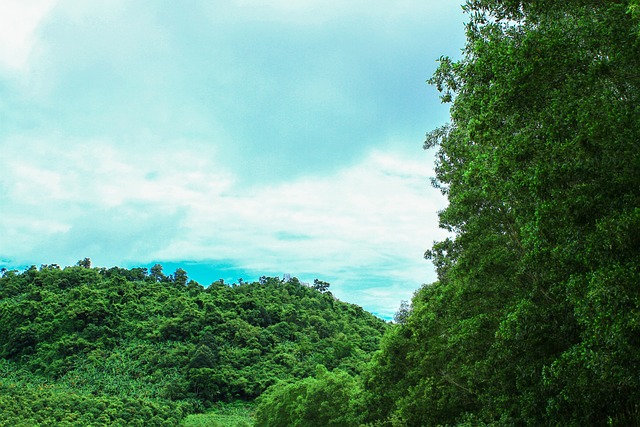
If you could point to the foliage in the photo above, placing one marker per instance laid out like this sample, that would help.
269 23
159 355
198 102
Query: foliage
237 414
535 317
119 335
47 404
326 400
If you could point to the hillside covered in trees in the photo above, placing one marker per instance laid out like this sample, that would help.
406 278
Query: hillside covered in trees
94 346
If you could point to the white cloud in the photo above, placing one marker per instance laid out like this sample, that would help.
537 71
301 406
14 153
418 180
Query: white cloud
361 227
19 20
355 218
274 135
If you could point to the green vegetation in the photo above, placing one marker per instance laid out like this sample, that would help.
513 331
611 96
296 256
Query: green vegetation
222 415
95 346
328 399
534 319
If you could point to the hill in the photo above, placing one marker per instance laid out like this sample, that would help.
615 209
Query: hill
105 346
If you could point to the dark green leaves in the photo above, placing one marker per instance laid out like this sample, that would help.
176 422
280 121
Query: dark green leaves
534 318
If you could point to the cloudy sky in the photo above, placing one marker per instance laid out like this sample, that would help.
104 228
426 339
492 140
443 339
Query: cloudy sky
233 138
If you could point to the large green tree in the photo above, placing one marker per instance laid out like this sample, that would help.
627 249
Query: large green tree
535 319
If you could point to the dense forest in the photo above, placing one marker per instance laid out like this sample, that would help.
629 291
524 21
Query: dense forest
93 346
534 319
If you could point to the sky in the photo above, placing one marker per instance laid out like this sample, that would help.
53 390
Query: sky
234 139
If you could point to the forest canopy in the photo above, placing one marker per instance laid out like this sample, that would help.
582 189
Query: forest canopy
97 346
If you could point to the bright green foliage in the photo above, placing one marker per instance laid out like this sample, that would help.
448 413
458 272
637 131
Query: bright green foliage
118 334
236 414
326 400
46 404
535 318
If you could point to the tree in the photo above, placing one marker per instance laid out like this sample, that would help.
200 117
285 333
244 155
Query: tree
403 312
156 273
180 277
545 93
535 316
86 263
320 285
328 399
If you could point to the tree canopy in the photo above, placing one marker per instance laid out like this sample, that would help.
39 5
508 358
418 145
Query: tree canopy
78 338
535 318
